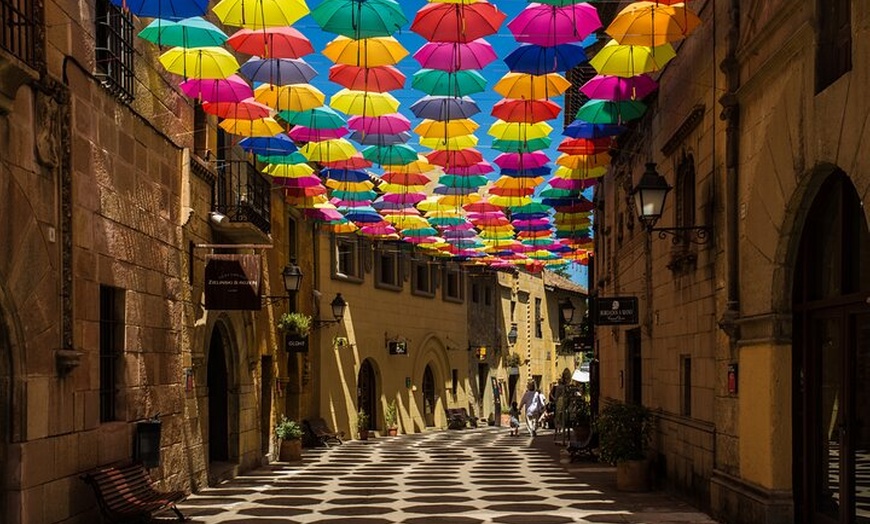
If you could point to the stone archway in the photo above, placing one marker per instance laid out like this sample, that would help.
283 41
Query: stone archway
222 404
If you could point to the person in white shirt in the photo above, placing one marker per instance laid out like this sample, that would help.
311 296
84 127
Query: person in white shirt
535 404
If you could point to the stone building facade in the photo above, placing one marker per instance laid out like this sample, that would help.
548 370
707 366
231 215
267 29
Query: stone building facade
752 343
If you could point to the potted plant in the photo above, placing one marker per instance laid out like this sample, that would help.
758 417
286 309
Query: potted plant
362 424
578 416
296 327
625 431
391 419
289 433
512 362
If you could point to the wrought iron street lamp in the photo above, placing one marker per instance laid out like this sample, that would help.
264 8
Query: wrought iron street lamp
649 201
566 308
512 335
338 306
292 278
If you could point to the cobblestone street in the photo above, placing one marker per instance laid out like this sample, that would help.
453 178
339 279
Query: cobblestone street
456 477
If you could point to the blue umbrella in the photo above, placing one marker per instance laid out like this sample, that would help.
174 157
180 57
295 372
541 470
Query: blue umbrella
278 71
443 108
344 175
165 9
539 60
580 129
365 214
269 145
372 139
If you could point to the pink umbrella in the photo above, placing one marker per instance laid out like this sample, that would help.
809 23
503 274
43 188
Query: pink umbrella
548 25
324 214
609 87
561 183
230 89
480 168
532 222
455 56
349 203
310 134
389 124
521 160
305 181
378 229
421 240
404 198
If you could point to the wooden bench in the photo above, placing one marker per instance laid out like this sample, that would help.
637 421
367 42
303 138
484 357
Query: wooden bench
320 432
458 418
125 493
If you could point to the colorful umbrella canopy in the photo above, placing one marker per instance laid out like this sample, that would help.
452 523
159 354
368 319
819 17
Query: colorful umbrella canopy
585 146
259 127
390 154
248 109
260 14
289 97
457 22
271 42
580 129
391 123
189 32
631 60
231 89
608 112
461 157
429 128
520 146
616 88
455 56
456 142
525 85
513 110
520 160
268 146
549 25
289 170
359 18
308 134
328 150
373 139
199 62
444 83
364 103
379 79
278 71
165 9
652 24
538 60
519 130
405 179
367 52
444 107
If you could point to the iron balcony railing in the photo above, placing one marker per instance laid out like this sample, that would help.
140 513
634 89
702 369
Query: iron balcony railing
19 26
242 194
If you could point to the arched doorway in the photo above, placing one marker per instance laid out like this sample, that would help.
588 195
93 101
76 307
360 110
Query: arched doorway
5 421
218 400
366 396
831 375
428 396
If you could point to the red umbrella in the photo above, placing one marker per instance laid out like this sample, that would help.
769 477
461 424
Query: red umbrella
585 146
515 110
481 207
379 79
405 179
461 157
355 162
439 22
271 42
248 109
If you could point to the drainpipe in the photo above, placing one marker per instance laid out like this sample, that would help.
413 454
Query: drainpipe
731 115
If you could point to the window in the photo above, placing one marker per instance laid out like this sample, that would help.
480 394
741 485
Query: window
292 240
111 350
487 295
685 207
200 131
347 264
834 51
423 282
114 45
453 285
686 385
387 270
475 293
539 321
455 386
18 29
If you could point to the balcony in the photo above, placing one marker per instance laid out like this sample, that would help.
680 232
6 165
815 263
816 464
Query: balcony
242 203
21 49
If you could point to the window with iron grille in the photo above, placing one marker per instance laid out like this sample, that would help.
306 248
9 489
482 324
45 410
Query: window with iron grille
18 26
111 350
114 47
834 51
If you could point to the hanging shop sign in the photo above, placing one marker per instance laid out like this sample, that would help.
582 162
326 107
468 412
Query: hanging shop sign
294 343
616 310
232 282
397 347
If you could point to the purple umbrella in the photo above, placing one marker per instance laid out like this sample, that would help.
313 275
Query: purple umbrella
373 139
278 71
230 89
455 56
617 89
549 25
443 108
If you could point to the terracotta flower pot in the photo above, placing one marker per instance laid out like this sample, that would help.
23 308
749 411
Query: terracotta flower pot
363 434
392 431
633 475
290 451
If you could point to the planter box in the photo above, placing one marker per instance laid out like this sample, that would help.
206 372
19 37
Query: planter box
294 343
290 451
633 475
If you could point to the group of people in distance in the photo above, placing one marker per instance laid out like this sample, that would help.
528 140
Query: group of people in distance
535 404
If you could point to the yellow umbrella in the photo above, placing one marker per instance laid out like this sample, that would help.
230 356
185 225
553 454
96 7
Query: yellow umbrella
343 227
199 62
489 234
583 161
307 202
290 97
452 144
433 204
421 165
398 188
332 150
259 127
652 24
580 173
510 201
631 60
407 222
445 129
531 87
366 52
519 130
459 200
289 170
364 103
259 14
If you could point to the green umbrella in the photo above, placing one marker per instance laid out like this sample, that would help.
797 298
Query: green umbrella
189 32
443 83
462 181
317 118
610 112
552 192
399 154
532 207
293 158
360 18
354 196
521 146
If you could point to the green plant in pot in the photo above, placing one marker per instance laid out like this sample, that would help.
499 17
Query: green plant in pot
289 432
578 416
512 360
391 419
295 323
362 424
625 431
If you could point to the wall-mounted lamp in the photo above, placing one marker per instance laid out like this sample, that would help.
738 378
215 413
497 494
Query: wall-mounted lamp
512 335
566 308
649 201
338 306
292 278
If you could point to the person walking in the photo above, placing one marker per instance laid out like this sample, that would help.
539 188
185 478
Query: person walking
535 404
515 419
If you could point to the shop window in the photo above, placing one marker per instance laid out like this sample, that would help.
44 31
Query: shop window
453 285
111 350
387 271
347 264
834 47
423 282
114 49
